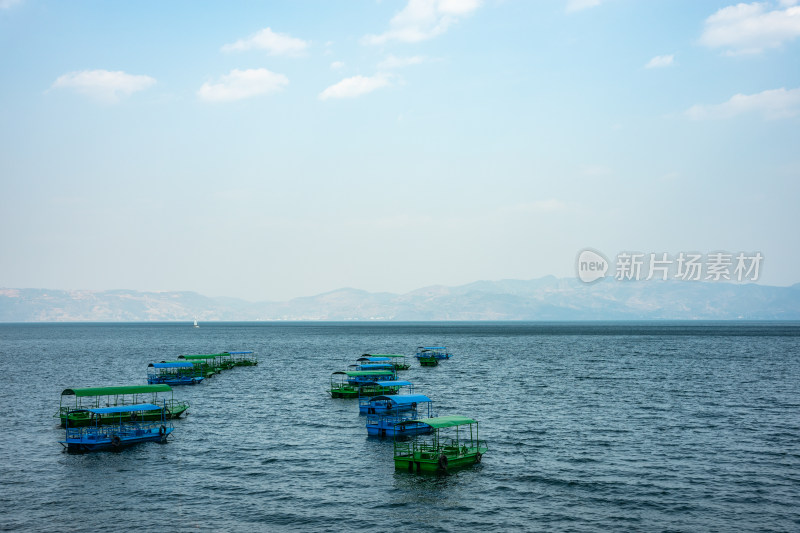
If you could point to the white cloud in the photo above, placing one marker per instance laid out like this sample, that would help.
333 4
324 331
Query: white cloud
392 62
751 28
421 20
355 86
240 84
579 5
336 65
772 104
7 4
661 61
104 85
277 44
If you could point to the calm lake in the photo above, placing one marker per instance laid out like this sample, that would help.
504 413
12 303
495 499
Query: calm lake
591 427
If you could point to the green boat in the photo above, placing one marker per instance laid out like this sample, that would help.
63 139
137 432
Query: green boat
450 446
397 360
200 369
358 383
100 397
247 358
213 361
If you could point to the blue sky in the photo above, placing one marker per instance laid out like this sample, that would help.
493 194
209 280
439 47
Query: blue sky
268 150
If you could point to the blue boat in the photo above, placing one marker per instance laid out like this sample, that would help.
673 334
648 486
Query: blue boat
127 430
372 366
399 416
174 373
365 404
437 352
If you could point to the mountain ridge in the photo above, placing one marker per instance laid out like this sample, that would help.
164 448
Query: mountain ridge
546 298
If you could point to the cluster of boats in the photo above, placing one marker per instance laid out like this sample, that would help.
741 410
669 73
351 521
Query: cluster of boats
102 418
423 442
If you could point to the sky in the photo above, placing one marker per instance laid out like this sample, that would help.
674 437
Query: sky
271 150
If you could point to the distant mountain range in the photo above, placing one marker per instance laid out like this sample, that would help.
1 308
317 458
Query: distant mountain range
547 298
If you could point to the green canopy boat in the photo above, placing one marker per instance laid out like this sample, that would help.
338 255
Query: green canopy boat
99 397
397 360
214 362
356 383
452 444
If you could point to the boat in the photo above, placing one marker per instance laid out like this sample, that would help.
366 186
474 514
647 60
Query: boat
398 415
365 404
211 362
371 366
174 373
127 428
397 360
246 358
100 397
431 355
195 323
452 444
356 383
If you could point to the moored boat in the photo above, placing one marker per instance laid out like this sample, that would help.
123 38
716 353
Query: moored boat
100 397
397 360
174 373
356 383
452 444
126 429
245 358
397 415
431 355
391 387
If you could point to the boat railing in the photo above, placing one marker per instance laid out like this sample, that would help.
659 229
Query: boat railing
108 431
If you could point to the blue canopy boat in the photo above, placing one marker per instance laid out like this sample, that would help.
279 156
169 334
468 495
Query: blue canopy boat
173 373
357 383
398 415
372 366
244 358
365 405
128 430
431 355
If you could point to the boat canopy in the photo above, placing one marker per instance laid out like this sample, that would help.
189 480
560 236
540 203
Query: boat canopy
376 366
382 355
125 408
374 359
112 391
358 373
393 383
446 421
177 364
201 356
403 399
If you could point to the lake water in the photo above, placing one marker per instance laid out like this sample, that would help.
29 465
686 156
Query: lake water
591 427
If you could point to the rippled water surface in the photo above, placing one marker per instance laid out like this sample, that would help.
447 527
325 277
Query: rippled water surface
591 427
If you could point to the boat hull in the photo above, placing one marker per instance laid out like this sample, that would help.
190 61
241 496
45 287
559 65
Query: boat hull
430 463
114 440
383 430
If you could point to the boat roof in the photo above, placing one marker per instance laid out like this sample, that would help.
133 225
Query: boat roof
356 373
374 358
394 383
202 356
176 364
376 366
447 421
403 399
382 355
239 353
111 391
125 408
